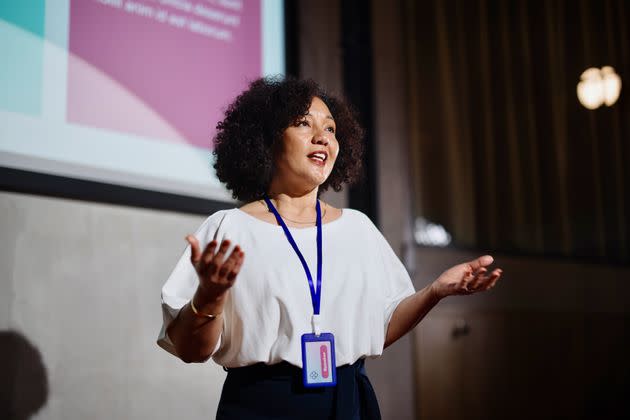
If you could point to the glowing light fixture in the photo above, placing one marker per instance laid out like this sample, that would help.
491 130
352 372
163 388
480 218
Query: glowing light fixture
598 87
430 234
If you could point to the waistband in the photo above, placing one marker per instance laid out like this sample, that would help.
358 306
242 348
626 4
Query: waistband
354 393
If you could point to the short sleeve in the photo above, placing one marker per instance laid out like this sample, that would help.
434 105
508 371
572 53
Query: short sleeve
398 284
182 282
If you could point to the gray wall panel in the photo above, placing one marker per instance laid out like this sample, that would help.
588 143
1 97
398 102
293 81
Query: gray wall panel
81 282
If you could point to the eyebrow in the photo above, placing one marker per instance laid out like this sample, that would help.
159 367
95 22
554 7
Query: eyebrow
327 116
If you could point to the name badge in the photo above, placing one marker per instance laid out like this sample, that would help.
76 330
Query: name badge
318 360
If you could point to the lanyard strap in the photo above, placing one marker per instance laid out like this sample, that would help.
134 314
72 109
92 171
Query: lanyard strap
316 293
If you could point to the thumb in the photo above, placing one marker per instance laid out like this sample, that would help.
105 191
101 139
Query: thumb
482 261
195 252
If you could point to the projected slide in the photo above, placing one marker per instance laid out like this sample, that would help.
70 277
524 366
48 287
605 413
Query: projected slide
129 91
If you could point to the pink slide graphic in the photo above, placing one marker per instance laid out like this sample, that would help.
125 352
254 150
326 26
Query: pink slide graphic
323 354
163 69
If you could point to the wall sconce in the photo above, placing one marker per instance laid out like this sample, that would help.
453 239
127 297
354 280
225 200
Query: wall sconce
430 234
598 87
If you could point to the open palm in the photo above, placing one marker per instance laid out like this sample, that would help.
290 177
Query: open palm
467 278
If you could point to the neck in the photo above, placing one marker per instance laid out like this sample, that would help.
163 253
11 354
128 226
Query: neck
293 201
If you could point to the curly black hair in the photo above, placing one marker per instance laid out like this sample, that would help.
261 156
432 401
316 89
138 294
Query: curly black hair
253 125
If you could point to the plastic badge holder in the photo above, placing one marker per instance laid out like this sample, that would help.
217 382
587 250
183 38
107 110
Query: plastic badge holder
318 360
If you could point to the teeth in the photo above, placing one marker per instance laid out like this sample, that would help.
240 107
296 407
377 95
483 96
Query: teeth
319 156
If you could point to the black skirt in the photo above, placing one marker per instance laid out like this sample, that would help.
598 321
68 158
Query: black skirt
276 392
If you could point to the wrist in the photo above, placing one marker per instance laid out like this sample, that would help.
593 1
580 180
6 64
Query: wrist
210 295
209 302
434 291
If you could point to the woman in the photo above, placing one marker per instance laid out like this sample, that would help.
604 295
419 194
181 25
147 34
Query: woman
320 289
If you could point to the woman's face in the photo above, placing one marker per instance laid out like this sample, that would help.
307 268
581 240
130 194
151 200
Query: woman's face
309 148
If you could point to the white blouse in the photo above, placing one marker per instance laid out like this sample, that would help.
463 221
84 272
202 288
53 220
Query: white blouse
269 306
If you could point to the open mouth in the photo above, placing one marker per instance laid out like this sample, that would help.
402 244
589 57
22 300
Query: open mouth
319 157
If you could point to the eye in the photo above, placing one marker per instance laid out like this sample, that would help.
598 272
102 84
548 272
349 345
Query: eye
302 123
331 129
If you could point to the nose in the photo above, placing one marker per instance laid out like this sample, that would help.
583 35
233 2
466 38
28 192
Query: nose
320 138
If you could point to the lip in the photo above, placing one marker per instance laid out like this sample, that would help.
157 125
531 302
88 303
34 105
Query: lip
316 160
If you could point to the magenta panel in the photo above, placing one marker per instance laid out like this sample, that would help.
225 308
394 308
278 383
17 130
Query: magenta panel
163 69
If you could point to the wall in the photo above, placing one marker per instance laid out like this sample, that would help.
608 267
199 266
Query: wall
80 288
550 341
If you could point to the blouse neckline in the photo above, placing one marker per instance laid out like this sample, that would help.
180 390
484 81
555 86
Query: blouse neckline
276 226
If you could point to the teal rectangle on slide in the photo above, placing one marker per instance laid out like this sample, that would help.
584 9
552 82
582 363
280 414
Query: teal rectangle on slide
21 49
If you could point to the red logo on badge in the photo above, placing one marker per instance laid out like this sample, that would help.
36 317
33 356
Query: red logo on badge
323 353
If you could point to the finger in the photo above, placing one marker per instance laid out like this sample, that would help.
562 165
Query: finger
465 284
477 278
237 268
465 290
194 248
488 280
468 275
229 263
234 268
482 261
495 279
218 258
208 253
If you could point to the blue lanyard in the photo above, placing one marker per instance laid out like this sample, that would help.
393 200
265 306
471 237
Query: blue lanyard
316 294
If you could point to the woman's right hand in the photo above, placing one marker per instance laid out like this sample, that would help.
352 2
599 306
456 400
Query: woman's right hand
194 332
216 273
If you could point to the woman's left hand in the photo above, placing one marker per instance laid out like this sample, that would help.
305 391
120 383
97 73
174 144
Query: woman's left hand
467 278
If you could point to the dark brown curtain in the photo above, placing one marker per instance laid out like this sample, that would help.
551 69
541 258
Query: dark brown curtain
503 154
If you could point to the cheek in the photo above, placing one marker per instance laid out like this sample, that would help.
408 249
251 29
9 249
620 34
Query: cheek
288 153
336 151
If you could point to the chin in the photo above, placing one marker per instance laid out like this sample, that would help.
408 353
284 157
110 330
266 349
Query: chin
314 179
319 180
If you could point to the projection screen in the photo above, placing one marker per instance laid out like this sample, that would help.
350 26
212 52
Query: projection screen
128 92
